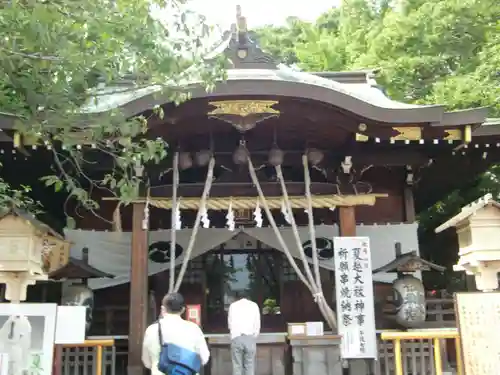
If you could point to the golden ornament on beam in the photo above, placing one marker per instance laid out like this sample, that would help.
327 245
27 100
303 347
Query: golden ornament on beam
244 115
453 135
362 138
407 133
243 108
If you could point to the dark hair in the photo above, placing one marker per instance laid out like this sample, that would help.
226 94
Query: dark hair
240 294
173 303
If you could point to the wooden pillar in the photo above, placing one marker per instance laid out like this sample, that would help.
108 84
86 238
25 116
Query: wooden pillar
347 221
409 204
347 225
138 291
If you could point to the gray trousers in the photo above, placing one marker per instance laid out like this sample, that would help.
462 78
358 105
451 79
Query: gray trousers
243 349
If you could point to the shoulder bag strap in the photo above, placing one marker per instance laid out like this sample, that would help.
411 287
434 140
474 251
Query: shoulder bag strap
160 335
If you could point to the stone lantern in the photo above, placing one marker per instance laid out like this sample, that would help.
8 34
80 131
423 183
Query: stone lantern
478 229
408 291
79 294
25 246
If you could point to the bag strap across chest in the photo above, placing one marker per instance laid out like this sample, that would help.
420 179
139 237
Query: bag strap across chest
160 334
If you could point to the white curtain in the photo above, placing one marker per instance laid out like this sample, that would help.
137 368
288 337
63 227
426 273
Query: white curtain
110 251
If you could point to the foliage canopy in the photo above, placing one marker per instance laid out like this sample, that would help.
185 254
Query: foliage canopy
427 51
55 54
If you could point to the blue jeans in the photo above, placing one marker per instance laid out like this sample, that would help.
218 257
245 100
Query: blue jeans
243 349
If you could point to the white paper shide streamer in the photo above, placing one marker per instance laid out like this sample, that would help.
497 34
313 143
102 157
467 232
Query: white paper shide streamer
178 219
230 218
257 216
285 212
205 221
145 219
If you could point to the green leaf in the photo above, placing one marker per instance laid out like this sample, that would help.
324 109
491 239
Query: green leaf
54 59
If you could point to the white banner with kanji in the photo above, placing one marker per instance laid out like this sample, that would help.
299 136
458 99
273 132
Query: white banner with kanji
355 301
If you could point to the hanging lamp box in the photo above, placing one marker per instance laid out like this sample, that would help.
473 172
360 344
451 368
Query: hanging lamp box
26 244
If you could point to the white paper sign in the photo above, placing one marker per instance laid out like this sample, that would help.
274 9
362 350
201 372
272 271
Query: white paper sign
314 328
298 329
70 324
355 302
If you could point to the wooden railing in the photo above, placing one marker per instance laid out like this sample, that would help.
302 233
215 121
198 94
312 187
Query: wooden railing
437 336
400 353
87 358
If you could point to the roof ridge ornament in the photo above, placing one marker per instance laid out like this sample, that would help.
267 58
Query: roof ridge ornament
241 26
243 51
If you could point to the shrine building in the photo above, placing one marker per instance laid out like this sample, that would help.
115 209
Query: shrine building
373 163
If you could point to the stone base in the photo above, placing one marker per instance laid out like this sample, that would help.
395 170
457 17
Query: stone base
318 355
136 370
360 366
270 358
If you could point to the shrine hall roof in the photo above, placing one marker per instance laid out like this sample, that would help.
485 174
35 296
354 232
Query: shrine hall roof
362 97
253 72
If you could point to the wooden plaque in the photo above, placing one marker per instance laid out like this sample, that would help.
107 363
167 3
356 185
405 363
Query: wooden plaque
478 318
193 314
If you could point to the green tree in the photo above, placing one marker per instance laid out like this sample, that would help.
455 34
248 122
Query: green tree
55 55
428 51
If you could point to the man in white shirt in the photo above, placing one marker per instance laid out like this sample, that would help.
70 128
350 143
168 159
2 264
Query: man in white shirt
175 330
244 326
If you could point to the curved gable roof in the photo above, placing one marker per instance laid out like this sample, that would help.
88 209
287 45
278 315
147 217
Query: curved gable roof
362 99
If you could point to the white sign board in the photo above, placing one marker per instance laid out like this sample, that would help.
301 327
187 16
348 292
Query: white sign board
478 325
355 302
4 364
70 324
314 328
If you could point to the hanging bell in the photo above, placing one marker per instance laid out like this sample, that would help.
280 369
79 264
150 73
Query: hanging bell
240 155
185 161
315 156
276 156
203 157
